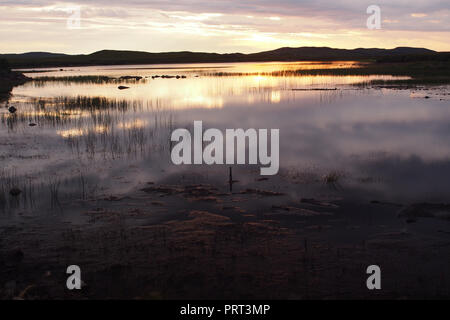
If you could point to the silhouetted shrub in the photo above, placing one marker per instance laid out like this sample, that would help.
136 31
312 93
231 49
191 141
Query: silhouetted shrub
4 66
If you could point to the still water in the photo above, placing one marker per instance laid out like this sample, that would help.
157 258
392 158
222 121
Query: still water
89 139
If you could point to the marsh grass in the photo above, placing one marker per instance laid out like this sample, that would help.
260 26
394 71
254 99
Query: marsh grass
88 79
410 82
421 72
9 179
54 187
333 179
95 103
46 191
63 112
109 127
95 130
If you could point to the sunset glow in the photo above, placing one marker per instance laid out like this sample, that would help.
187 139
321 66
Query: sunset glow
218 26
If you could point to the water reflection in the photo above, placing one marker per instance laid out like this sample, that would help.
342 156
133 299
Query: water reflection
88 135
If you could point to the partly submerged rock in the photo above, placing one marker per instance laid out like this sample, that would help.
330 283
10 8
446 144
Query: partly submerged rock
426 210
12 109
123 87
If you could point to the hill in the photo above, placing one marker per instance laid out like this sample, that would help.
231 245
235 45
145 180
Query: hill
115 57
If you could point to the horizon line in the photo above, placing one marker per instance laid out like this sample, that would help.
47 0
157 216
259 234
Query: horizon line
158 52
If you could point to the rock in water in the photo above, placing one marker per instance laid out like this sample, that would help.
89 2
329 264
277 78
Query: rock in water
15 192
32 124
123 87
12 109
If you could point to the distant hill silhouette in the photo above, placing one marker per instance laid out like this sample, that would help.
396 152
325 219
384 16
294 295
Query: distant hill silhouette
115 57
32 55
330 53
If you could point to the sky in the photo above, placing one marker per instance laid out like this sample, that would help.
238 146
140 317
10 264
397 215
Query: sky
219 26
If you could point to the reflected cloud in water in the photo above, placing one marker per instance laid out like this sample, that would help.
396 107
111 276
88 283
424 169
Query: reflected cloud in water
386 143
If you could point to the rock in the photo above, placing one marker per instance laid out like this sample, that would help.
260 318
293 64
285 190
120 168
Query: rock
123 87
15 192
12 109
32 124
427 97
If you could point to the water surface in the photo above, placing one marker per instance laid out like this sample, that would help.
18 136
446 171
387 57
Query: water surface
92 139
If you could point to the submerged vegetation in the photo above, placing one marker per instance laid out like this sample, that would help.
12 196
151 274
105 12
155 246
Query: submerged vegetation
96 125
82 79
88 79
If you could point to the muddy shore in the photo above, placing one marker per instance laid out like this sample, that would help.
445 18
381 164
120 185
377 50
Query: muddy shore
199 241
8 80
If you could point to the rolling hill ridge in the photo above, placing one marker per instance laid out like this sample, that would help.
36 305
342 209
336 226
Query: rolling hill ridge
116 57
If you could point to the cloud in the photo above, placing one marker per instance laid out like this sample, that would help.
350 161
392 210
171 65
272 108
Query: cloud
418 15
241 25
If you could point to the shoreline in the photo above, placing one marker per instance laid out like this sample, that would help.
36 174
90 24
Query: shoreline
9 80
220 245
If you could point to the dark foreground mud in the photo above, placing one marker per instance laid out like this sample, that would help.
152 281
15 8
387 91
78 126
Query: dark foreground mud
198 241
